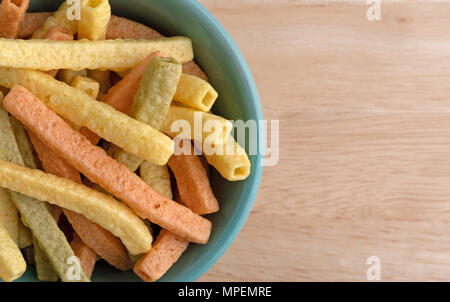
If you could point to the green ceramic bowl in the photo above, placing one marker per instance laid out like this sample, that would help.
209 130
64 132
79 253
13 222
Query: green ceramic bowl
228 72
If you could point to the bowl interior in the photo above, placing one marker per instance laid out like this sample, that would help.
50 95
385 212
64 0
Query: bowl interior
217 54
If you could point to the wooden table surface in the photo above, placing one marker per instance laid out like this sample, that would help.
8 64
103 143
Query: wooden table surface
364 110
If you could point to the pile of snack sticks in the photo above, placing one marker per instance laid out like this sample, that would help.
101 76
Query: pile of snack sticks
89 133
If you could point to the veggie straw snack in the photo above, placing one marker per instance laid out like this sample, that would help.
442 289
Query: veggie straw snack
89 118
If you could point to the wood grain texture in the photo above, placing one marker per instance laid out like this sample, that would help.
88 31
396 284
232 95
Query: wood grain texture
364 110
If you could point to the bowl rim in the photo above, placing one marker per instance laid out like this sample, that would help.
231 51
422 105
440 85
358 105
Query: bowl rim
233 228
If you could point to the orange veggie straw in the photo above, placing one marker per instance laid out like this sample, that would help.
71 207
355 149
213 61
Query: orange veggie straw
57 34
52 163
193 69
105 244
121 95
86 255
193 182
56 212
122 28
166 250
176 195
12 12
98 167
31 23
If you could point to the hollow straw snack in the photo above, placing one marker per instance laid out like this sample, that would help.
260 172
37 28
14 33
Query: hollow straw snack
193 182
57 34
181 119
74 105
95 206
9 217
151 101
157 177
34 213
166 250
155 93
100 240
93 162
108 54
12 264
195 92
12 13
44 269
8 211
31 23
25 147
37 217
122 28
86 255
95 18
118 28
59 19
232 164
